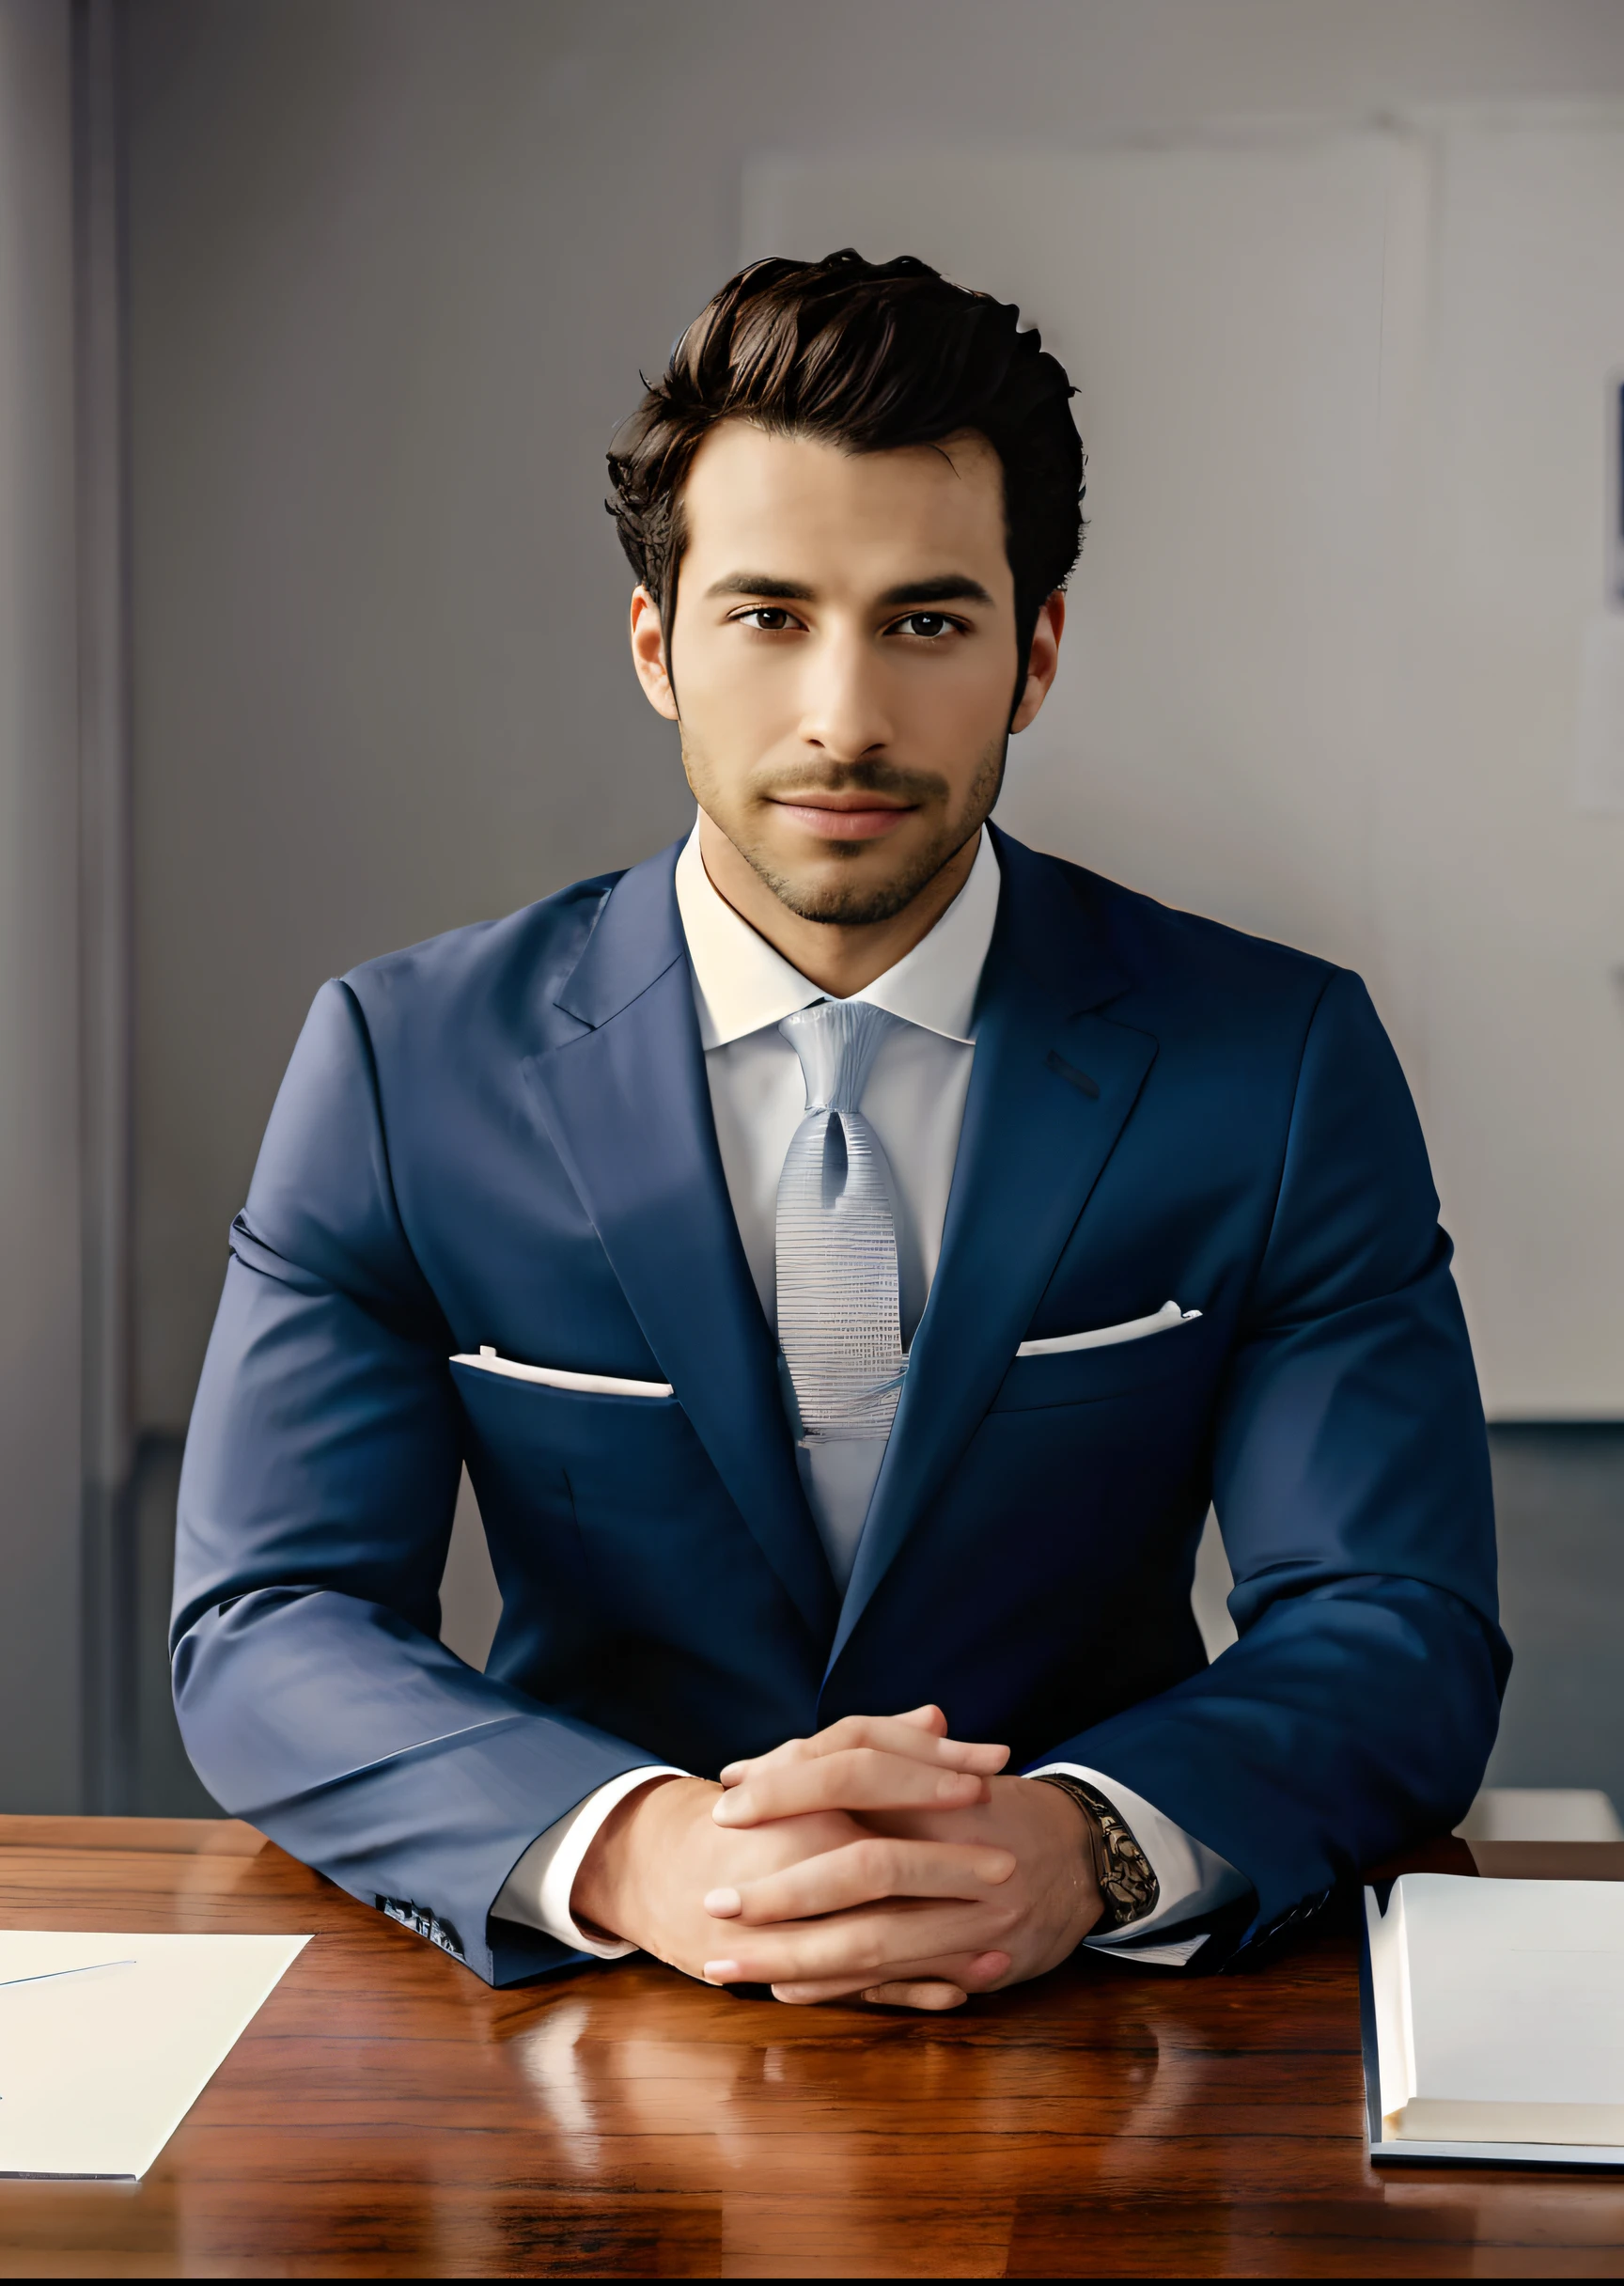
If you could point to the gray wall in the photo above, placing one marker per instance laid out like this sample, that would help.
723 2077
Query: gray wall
40 1741
394 264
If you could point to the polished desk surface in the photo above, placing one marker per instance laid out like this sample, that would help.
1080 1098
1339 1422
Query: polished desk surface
385 2115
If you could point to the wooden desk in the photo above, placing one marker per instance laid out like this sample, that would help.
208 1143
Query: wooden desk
387 2116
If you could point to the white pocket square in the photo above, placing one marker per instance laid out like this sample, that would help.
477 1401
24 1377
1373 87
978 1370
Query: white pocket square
556 1377
1107 1337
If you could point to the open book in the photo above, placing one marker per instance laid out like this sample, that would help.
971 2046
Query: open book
1494 2021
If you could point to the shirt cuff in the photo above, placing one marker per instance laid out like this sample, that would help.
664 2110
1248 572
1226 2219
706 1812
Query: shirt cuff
1192 1879
537 1893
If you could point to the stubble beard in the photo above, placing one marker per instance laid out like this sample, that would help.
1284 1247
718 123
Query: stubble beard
856 904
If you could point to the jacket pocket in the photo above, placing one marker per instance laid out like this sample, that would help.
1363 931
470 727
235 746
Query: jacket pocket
561 1377
1162 1320
1112 1368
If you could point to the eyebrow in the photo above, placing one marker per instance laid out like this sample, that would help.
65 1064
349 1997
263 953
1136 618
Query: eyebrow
951 587
759 583
946 587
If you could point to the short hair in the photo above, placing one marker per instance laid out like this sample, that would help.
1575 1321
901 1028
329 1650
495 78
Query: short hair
871 356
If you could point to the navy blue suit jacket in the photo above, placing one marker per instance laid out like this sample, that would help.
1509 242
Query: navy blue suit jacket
504 1137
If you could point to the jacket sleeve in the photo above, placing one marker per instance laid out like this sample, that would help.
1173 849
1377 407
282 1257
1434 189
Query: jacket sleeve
315 1501
1356 1711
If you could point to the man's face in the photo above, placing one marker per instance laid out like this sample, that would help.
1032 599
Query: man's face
843 658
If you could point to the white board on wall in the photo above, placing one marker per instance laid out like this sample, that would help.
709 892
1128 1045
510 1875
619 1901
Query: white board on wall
1260 714
1525 1018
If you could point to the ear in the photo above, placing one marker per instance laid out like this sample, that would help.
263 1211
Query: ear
649 654
1044 663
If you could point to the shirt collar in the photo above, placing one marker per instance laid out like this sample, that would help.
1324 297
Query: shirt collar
740 984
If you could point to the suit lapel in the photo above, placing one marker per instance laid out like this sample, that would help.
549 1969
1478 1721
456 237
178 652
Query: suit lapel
1052 1086
626 1106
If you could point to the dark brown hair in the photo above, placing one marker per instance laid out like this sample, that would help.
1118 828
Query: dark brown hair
871 356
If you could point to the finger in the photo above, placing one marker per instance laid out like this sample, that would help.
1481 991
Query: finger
862 1778
862 1871
930 1994
970 1973
908 1734
871 1946
919 1735
865 1872
927 1726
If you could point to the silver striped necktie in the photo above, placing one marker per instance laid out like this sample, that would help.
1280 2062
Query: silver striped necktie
839 1318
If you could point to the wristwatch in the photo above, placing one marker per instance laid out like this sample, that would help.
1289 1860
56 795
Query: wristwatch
1125 1877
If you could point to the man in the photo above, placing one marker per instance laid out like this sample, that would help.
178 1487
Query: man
849 1252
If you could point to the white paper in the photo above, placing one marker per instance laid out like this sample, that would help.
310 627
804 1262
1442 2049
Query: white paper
96 2071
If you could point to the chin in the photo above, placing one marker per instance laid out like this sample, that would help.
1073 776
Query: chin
846 894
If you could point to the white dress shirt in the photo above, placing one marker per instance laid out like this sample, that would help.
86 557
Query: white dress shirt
914 1101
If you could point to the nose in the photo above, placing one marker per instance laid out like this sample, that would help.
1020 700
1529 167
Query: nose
844 711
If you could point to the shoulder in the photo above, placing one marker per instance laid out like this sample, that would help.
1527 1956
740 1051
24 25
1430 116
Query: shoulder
498 976
1168 960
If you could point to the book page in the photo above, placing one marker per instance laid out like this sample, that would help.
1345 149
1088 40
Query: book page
1384 1933
1515 2008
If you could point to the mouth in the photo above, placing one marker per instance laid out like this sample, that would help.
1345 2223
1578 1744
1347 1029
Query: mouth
845 816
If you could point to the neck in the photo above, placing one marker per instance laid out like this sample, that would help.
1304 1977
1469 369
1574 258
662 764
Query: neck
840 961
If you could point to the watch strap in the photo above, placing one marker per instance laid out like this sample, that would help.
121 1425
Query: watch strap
1125 1877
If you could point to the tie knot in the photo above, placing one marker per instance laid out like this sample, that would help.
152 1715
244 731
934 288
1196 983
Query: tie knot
836 1042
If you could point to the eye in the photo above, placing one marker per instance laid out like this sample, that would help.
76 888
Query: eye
926 626
769 619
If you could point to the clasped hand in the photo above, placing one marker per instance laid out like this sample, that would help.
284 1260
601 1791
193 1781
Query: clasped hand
880 1857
